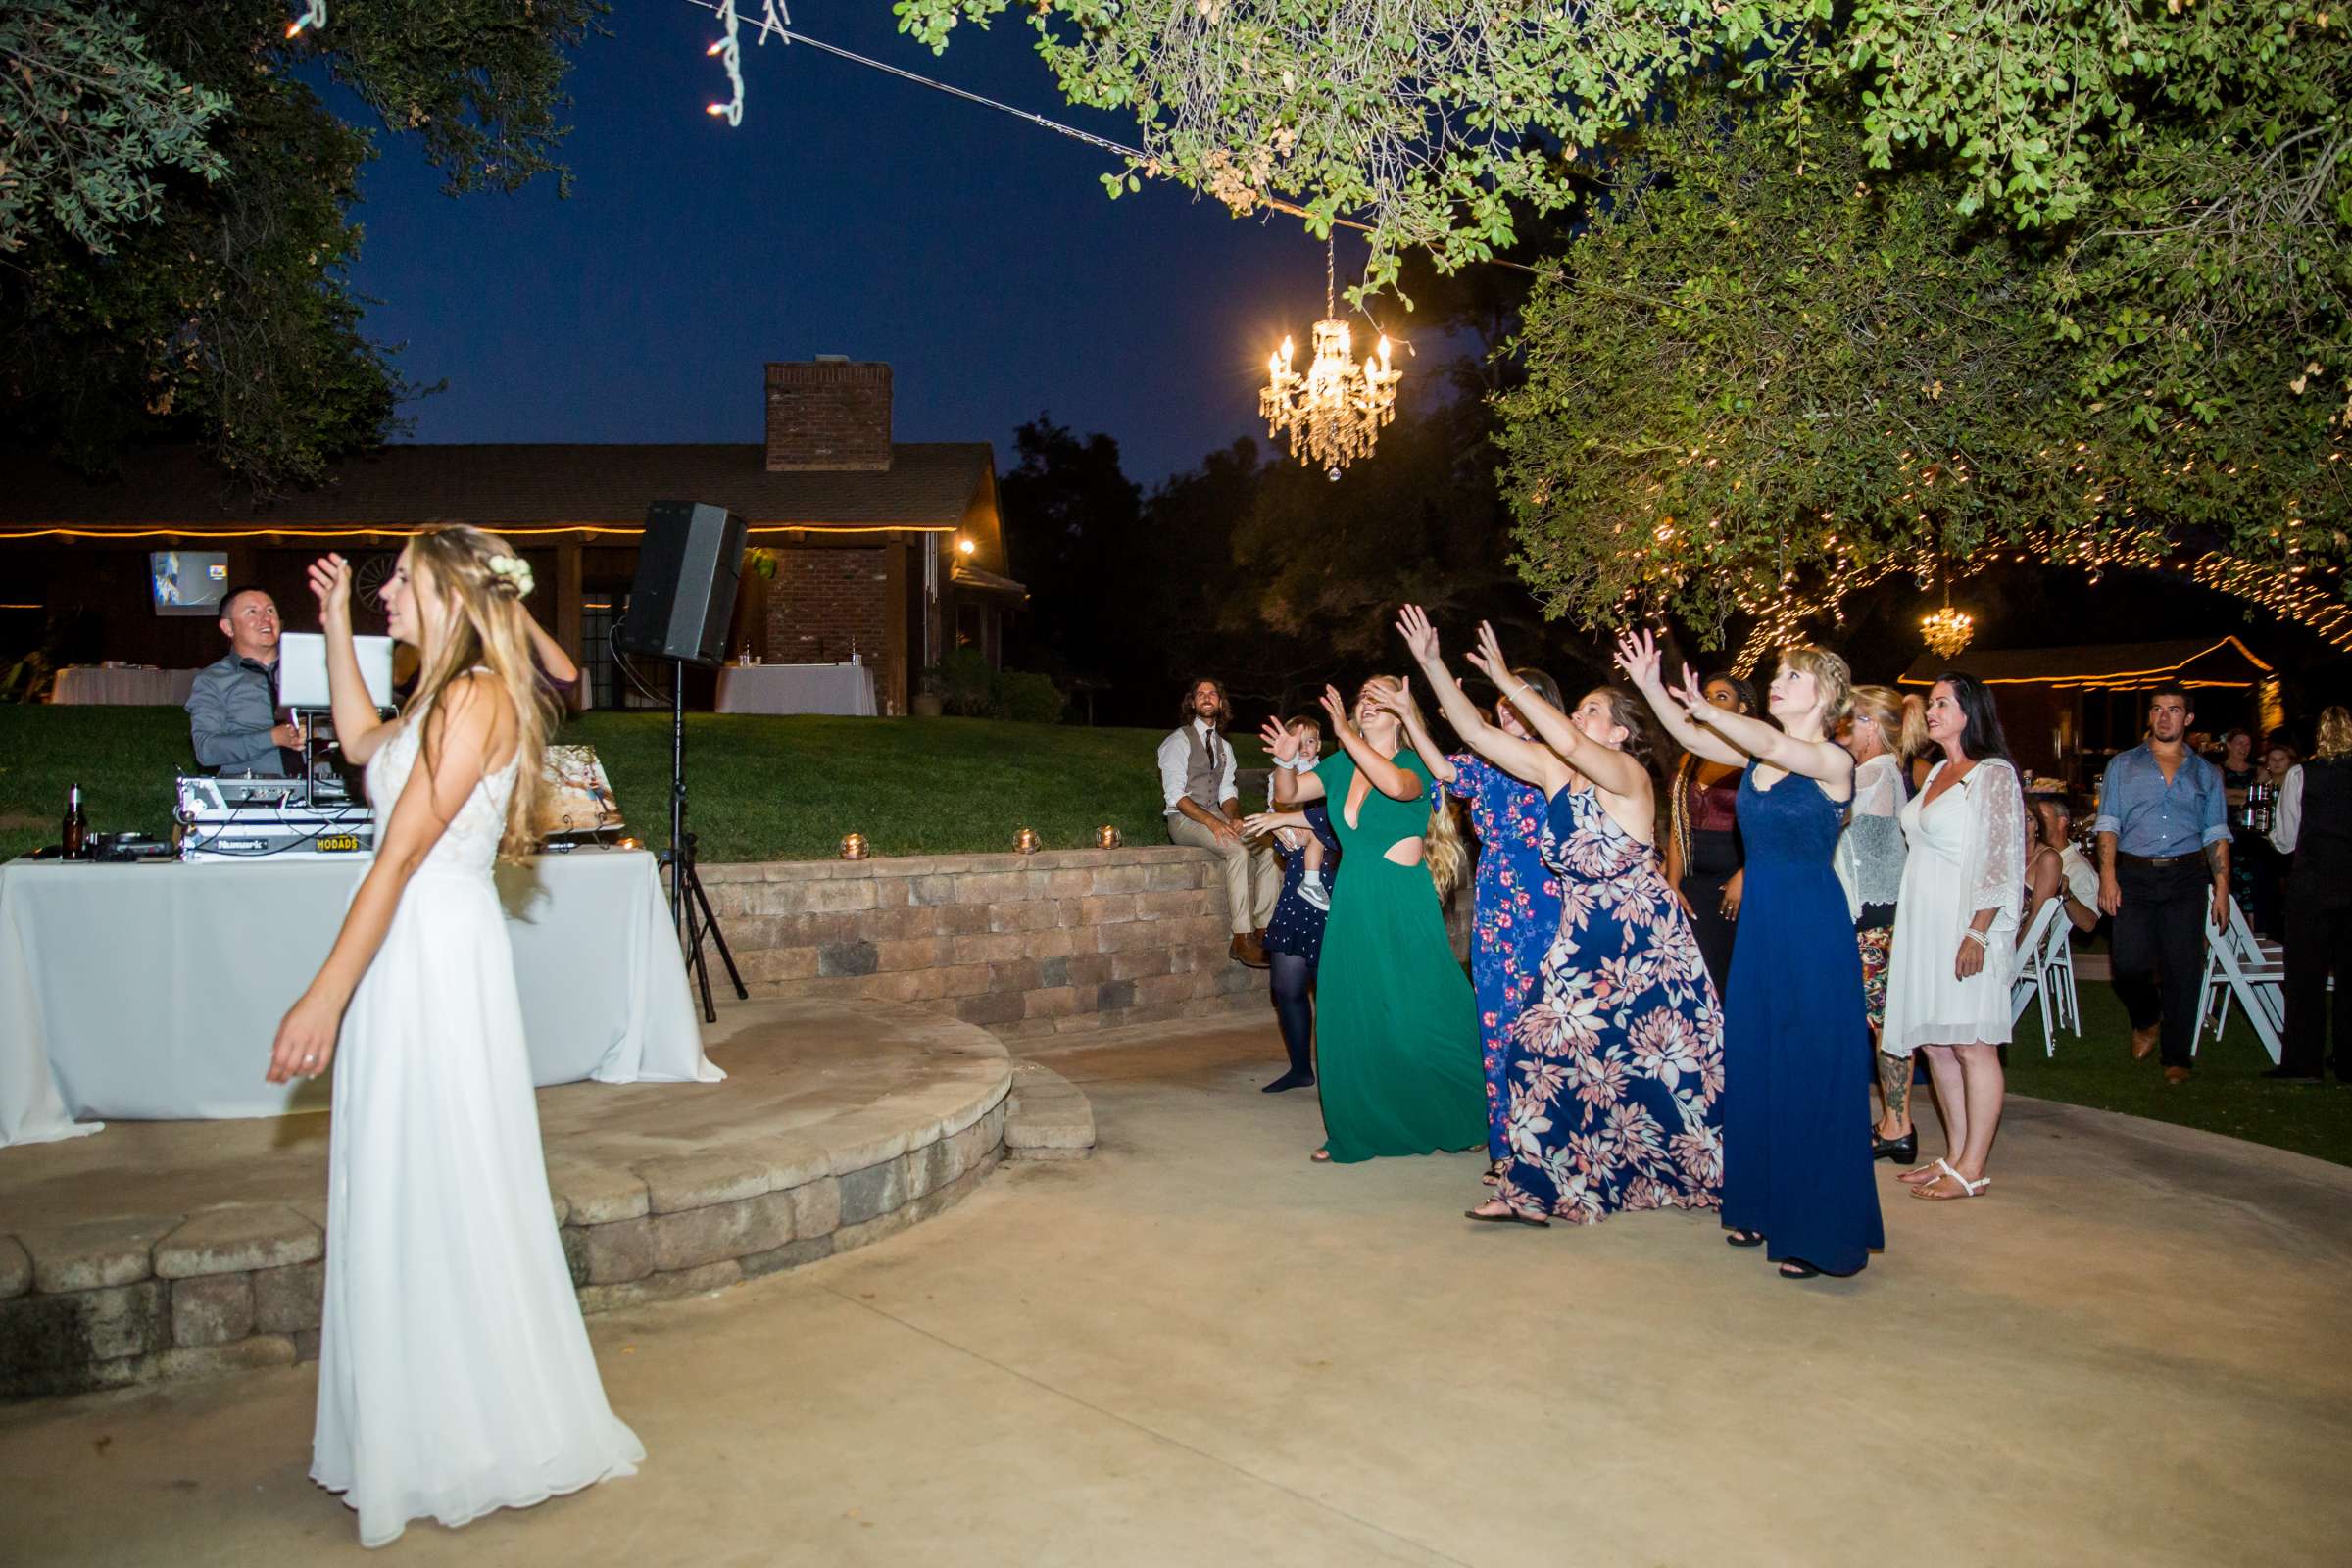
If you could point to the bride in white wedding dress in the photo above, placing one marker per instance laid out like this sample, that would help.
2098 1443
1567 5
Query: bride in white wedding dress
455 1375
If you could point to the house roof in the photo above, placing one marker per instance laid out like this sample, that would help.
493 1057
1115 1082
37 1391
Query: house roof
2191 661
928 485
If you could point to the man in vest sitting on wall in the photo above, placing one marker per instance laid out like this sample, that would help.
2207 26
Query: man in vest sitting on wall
1204 810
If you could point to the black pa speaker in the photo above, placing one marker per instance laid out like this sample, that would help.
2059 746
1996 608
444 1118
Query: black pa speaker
688 570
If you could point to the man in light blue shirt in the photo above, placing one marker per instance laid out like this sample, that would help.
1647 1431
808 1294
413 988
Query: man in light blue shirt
2163 865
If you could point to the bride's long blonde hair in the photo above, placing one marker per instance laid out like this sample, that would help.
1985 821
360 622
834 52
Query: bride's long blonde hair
487 627
1443 849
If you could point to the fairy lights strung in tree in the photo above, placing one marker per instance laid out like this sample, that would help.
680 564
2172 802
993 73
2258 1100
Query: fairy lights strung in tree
312 17
2299 595
728 50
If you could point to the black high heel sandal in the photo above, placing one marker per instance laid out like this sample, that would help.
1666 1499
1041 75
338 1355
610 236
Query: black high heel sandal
1903 1151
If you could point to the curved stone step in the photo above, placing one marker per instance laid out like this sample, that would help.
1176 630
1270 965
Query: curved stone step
1048 1116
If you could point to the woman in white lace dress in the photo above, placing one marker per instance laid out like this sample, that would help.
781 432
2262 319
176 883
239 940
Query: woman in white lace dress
1955 930
455 1375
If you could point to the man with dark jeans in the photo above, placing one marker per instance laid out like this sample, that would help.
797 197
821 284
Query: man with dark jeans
2163 865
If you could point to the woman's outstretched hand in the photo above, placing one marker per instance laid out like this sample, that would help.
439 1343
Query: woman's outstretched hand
1638 656
1693 696
1420 637
331 583
1336 707
1488 656
1280 743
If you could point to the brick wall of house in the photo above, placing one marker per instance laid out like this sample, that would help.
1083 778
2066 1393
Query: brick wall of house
828 416
1021 945
821 600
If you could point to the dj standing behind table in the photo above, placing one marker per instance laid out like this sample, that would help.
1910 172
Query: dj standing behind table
2164 863
233 707
1204 810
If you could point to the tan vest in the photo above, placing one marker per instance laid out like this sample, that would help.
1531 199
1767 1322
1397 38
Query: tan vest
1203 768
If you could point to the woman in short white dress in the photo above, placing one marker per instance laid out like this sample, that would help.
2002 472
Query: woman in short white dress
455 1375
1955 930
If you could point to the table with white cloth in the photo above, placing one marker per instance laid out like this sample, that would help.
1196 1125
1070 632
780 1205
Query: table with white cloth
79 685
797 689
154 991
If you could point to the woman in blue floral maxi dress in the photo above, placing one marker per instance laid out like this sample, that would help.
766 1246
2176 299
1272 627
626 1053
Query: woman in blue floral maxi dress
1615 1071
1515 898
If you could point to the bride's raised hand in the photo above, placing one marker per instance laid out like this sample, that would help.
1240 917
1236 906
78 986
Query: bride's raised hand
1638 656
1420 637
331 584
1279 741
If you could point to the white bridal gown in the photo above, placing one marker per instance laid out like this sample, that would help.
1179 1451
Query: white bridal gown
455 1375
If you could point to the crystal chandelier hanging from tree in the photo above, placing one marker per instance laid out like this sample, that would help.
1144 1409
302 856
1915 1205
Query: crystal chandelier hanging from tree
1332 414
1947 630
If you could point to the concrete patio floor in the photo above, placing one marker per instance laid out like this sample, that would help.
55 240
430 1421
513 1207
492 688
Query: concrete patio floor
1200 1348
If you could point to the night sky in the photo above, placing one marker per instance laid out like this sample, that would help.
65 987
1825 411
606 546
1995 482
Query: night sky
851 213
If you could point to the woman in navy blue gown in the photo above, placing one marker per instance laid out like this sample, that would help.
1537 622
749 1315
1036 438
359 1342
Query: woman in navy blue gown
1796 1156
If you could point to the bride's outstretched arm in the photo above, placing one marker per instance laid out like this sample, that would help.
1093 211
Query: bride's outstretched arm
470 722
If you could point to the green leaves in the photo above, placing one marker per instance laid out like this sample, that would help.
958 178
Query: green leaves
86 120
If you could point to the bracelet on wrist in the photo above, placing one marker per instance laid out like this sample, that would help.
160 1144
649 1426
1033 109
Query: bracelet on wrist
1976 936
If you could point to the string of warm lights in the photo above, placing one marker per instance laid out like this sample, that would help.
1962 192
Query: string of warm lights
2293 595
312 17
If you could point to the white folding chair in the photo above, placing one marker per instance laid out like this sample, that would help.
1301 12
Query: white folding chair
2058 969
2237 968
2035 980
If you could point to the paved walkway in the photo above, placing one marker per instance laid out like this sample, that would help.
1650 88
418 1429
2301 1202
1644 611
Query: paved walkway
1198 1348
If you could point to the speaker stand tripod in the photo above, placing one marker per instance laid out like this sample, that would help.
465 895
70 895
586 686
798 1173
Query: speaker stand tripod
689 906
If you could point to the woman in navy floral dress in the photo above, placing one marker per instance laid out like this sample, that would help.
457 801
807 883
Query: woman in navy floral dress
1515 903
1616 1070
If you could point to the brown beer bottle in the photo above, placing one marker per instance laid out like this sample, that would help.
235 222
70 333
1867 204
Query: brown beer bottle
77 827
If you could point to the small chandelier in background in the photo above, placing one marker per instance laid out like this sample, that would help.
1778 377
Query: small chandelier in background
1332 414
1947 630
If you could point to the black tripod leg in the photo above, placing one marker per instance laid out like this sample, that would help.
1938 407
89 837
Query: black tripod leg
694 947
711 924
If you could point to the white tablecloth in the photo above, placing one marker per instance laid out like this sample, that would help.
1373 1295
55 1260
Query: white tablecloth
123 688
797 689
153 992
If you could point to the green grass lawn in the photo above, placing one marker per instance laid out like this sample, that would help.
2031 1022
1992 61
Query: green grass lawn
761 789
789 788
2228 1094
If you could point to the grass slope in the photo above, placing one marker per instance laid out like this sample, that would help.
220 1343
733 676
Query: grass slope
761 788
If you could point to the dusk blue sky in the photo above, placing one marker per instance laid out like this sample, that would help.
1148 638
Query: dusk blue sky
850 213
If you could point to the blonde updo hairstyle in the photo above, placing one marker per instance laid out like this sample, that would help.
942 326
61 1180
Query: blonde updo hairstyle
1443 849
1901 717
480 582
1833 677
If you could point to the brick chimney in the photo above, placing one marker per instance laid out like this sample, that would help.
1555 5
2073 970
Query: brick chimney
828 416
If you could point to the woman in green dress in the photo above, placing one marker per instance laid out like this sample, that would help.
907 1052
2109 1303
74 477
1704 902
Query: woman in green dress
1396 1026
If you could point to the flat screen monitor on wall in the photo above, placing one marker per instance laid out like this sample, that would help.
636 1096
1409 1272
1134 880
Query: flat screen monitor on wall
188 582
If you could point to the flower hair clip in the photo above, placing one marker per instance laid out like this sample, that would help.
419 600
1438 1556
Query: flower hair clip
513 575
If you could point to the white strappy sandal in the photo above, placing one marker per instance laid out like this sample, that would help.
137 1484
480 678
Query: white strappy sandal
1968 1189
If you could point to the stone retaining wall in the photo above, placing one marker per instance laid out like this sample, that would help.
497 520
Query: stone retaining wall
109 1302
1021 945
